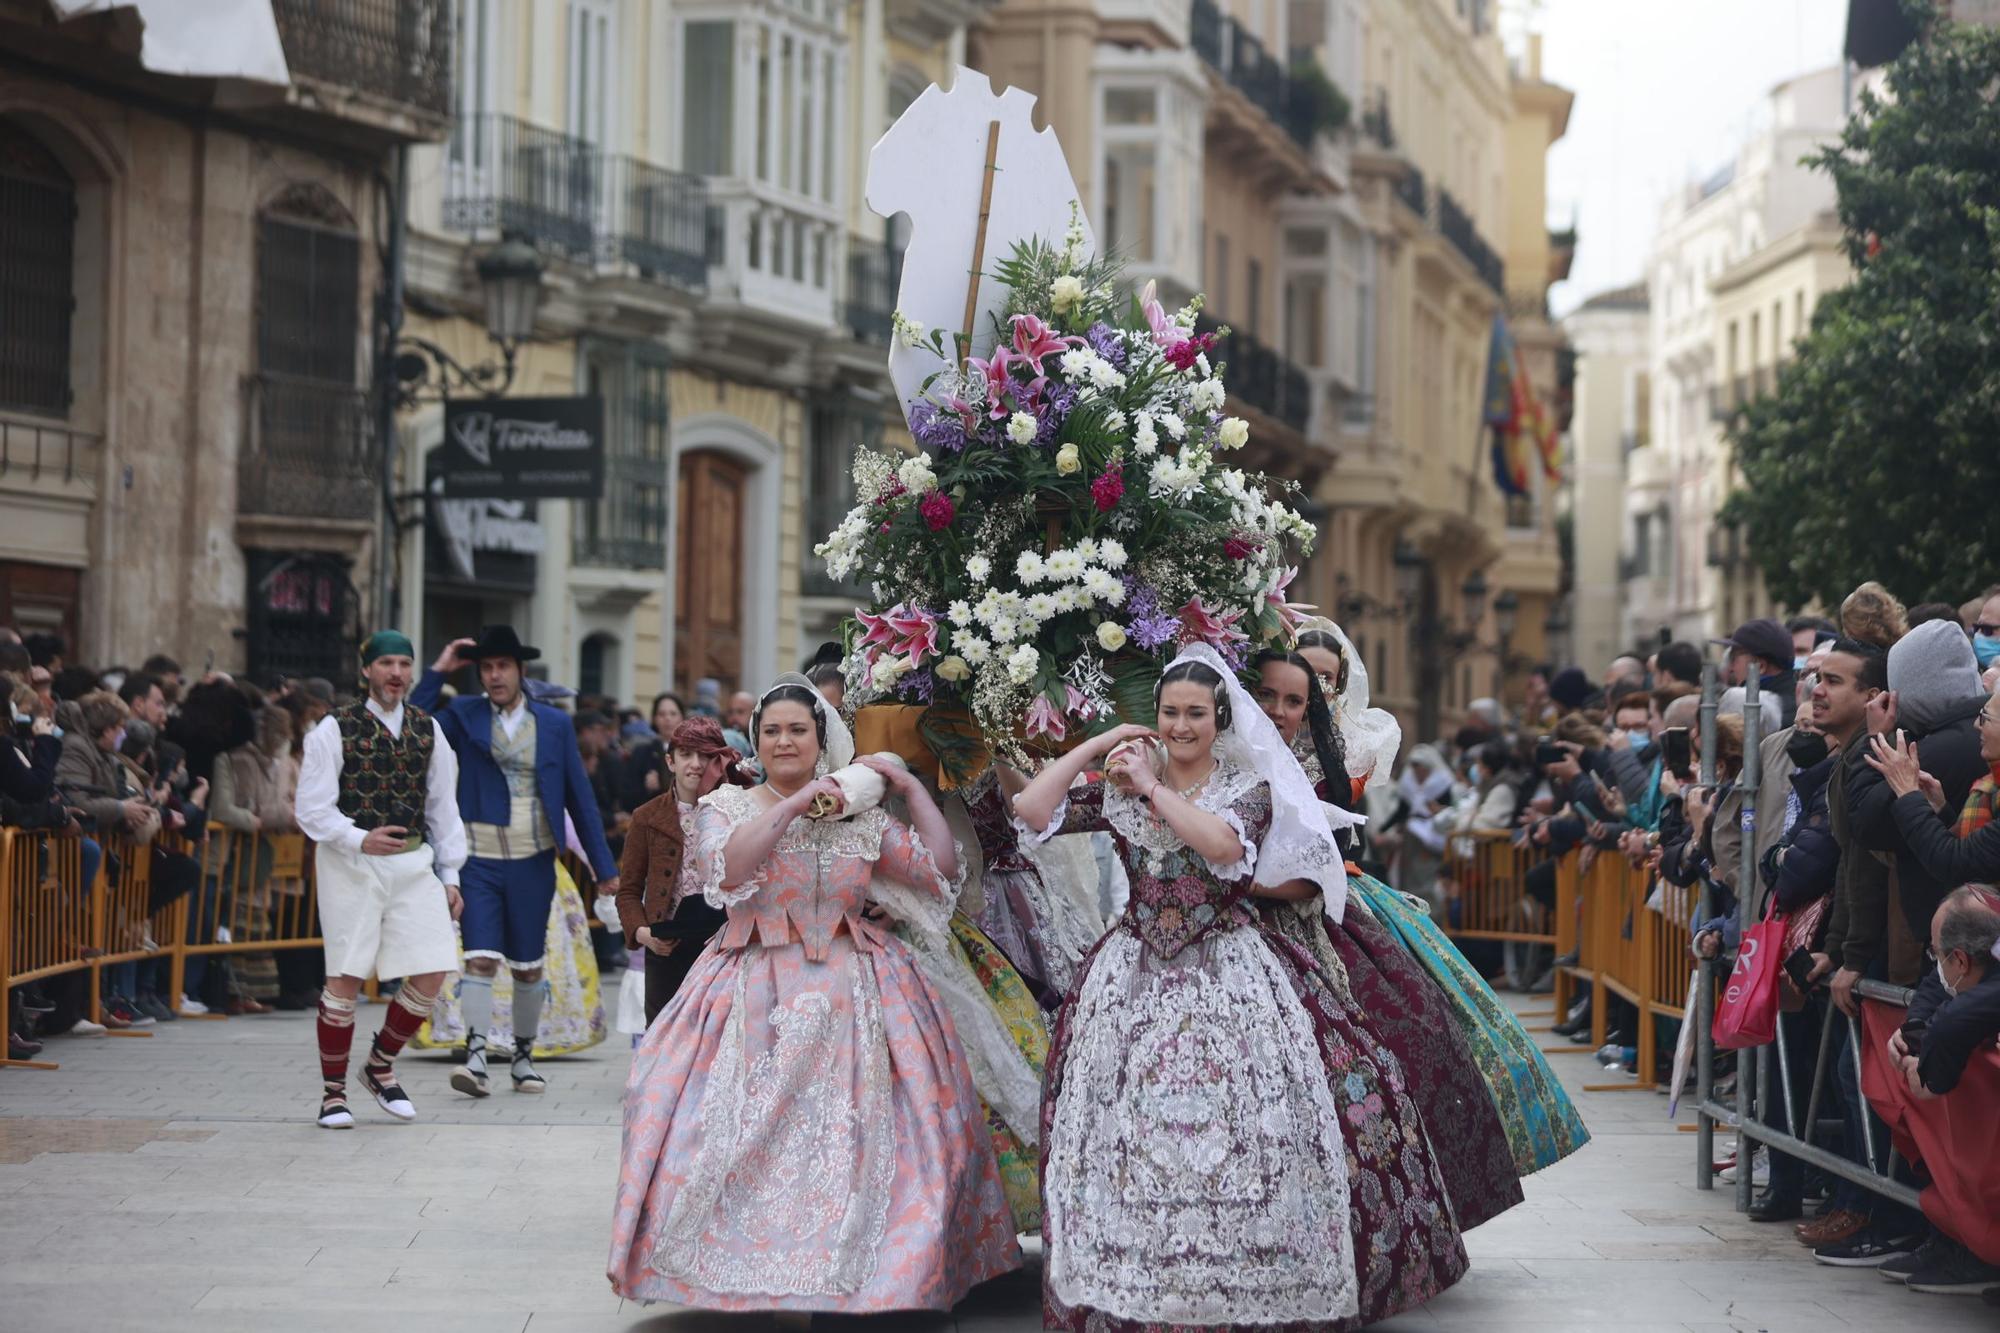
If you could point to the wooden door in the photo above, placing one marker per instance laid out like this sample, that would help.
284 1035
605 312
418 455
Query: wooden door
43 599
708 601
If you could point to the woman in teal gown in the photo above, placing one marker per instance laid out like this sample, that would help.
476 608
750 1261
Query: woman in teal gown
1540 1120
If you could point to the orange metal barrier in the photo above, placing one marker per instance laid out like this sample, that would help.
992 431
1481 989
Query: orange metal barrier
254 893
1632 940
1490 876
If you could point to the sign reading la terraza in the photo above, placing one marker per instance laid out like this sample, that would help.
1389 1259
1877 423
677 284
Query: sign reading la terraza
523 449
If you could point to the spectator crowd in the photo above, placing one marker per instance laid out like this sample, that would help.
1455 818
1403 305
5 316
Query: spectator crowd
1877 754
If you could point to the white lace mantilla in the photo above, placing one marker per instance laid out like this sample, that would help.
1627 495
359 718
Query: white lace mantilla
1196 1172
789 1191
1000 1073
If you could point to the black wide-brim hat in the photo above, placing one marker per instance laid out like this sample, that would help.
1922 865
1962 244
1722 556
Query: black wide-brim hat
502 641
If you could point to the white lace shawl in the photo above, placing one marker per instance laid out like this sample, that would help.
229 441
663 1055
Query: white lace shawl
1371 737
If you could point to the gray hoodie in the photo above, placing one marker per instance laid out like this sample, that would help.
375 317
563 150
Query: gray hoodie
1933 673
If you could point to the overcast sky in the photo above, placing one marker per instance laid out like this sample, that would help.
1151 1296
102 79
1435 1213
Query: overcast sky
1665 92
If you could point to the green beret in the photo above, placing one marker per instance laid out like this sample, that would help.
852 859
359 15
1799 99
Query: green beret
387 643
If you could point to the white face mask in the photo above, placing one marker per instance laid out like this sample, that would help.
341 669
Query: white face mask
1942 982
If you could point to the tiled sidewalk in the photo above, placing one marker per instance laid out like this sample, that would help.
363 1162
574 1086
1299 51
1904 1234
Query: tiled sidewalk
177 1183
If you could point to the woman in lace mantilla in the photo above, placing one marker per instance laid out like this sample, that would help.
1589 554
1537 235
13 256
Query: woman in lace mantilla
1222 1142
801 1129
1399 1003
1535 1113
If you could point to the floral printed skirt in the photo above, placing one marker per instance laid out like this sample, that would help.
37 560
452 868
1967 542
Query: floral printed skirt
1539 1118
1020 1173
1197 1172
572 1017
1404 1009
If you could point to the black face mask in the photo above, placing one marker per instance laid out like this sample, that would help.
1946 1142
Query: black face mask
1805 748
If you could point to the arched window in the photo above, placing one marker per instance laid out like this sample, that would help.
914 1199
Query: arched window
37 253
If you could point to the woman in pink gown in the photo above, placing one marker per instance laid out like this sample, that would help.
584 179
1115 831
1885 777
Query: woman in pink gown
801 1129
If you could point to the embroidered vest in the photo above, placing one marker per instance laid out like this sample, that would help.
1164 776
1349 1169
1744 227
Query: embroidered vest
383 778
526 832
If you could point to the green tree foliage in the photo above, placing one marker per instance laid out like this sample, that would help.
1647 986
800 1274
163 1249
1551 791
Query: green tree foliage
1879 454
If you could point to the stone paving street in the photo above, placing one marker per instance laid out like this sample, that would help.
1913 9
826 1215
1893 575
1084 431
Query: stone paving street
177 1183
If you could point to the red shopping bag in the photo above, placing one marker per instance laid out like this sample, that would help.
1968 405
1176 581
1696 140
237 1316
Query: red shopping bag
1748 1013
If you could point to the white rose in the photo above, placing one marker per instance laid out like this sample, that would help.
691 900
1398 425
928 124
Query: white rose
1028 568
1235 432
979 567
1065 292
1022 428
1022 664
1068 460
1110 636
889 670
953 668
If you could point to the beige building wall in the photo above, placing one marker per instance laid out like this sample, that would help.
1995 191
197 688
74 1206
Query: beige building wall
1609 334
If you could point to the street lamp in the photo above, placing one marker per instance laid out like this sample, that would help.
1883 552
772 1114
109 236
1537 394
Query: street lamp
1506 614
1474 591
1409 563
510 281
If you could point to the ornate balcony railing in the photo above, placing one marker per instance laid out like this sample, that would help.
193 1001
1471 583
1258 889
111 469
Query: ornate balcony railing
658 222
1261 377
1237 54
1457 227
399 50
1375 123
309 450
507 176
873 271
1410 189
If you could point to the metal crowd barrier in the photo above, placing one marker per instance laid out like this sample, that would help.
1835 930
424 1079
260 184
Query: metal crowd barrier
1628 930
1491 876
252 892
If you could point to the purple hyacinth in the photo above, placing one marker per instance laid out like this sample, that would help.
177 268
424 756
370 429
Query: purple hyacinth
936 431
1053 412
1104 341
1146 624
918 685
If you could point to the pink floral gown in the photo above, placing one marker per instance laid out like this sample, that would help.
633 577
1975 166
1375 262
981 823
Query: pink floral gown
801 1129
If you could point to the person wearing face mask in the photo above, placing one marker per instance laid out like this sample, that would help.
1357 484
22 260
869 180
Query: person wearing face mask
1936 1089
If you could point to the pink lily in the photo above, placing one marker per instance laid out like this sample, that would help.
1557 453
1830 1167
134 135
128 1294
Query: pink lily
1199 624
1079 703
1045 719
998 382
968 415
918 633
880 633
1165 332
1034 340
1289 613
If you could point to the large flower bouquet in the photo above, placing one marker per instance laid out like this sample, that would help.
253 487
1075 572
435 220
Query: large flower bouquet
1068 525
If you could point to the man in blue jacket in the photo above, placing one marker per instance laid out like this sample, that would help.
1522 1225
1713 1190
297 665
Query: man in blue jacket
518 771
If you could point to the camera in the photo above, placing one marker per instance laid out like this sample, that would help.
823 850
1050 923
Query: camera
1548 752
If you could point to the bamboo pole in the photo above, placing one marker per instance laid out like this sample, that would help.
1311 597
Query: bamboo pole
979 240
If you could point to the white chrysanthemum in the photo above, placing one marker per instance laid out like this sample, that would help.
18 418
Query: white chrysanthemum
1114 421
916 474
975 650
1144 441
1208 396
889 670
988 608
1175 426
1105 375
1029 569
1111 552
1063 566
1086 550
1069 597
1005 628
1041 607
1022 428
959 612
1201 363
1022 664
1011 602
1103 586
1075 364
979 568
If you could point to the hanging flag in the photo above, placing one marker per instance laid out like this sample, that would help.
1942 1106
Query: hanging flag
1503 412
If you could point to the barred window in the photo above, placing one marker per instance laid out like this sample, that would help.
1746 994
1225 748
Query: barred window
37 252
308 288
627 528
840 425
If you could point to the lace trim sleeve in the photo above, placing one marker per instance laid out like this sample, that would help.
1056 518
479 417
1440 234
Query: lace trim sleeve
908 885
1080 811
715 820
1248 814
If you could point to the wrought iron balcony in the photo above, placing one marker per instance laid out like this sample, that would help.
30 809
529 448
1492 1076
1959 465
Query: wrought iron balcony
1457 227
1261 377
1375 124
873 271
505 175
398 50
1410 189
658 222
309 450
1237 54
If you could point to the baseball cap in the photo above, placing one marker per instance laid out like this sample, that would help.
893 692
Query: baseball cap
1762 638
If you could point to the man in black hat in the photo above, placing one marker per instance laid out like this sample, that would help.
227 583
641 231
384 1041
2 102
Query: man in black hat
519 770
1765 646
